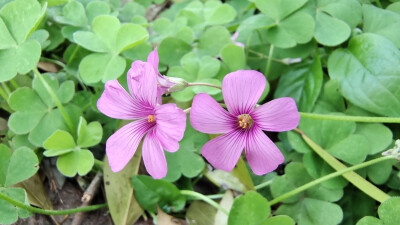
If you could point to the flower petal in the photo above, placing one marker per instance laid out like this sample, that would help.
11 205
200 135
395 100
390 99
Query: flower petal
122 145
142 83
280 114
153 156
115 102
242 89
207 116
153 59
171 124
261 153
224 151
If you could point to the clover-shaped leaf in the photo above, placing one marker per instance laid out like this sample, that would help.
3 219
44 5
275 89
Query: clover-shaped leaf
109 38
305 208
18 19
12 170
196 69
334 20
34 109
187 161
200 15
9 213
290 26
178 29
250 209
150 193
387 211
73 158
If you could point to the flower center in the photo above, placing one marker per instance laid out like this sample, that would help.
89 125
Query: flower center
151 119
245 121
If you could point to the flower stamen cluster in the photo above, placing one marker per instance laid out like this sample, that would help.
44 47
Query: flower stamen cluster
245 121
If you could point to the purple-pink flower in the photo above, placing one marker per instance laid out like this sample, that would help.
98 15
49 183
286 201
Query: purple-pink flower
243 124
162 126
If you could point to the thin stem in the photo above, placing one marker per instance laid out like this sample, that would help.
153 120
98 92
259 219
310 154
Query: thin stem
378 3
3 94
4 85
216 196
204 84
58 63
204 198
56 101
327 177
364 119
99 163
270 54
14 84
263 185
50 212
352 177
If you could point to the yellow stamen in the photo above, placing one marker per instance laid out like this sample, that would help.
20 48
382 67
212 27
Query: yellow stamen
151 119
245 121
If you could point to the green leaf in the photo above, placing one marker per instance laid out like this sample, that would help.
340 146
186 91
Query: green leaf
64 93
213 40
234 57
101 67
369 220
382 22
89 134
8 212
90 41
378 135
129 36
78 161
329 30
29 110
313 212
279 220
290 27
171 51
123 206
6 40
250 209
59 140
388 211
303 83
12 170
73 14
106 27
96 8
216 13
379 173
150 192
20 16
368 77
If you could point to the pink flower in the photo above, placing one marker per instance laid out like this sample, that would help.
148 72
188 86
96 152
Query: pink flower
162 126
165 85
243 124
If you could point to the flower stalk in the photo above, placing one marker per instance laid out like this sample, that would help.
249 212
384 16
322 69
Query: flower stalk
51 212
327 177
204 198
362 119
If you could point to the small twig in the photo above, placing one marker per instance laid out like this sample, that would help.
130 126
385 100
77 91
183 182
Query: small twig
88 197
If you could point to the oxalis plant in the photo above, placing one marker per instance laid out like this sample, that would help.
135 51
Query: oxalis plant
239 112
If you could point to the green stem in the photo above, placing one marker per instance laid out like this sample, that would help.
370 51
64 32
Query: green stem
327 177
3 94
216 196
352 177
14 84
204 84
204 198
99 163
270 54
364 119
56 100
58 63
378 3
4 85
263 185
50 212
